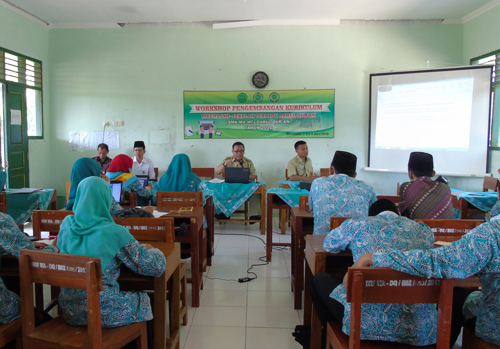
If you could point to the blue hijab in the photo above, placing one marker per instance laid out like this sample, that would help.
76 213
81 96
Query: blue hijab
82 168
179 176
91 231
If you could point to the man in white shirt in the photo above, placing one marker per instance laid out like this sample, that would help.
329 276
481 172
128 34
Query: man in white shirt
142 166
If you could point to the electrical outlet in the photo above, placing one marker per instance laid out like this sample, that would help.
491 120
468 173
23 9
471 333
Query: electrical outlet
106 123
118 123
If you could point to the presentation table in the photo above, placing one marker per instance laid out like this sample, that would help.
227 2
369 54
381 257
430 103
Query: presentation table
463 201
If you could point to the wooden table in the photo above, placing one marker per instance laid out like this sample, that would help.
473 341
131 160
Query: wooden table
299 216
269 231
318 260
209 210
195 239
262 192
130 281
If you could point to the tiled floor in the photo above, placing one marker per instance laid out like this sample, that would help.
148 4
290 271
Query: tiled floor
254 315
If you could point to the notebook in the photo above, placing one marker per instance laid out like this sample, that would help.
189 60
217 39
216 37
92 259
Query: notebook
116 189
143 180
237 175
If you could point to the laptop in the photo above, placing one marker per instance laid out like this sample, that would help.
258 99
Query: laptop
237 175
143 180
306 184
116 189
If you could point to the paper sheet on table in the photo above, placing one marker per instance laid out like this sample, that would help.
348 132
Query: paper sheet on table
158 214
216 180
442 243
24 190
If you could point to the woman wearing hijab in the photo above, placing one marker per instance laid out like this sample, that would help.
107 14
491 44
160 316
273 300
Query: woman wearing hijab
119 170
83 168
179 177
12 241
92 232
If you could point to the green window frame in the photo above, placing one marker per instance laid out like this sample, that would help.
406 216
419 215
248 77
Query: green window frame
26 72
493 58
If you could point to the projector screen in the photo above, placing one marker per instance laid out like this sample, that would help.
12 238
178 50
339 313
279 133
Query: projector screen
442 112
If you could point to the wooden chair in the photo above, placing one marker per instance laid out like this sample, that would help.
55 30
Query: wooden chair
10 332
75 272
205 172
285 213
336 222
48 220
450 229
324 172
304 201
68 189
156 172
3 202
470 341
384 285
162 230
175 200
130 199
490 183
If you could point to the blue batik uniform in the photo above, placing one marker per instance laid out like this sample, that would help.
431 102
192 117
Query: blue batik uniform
495 211
413 324
478 252
12 241
338 196
118 308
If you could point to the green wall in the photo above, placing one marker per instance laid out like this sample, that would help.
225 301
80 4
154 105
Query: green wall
24 36
481 37
138 75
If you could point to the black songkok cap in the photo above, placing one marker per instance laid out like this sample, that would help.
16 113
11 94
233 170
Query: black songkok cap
139 144
421 162
382 205
344 162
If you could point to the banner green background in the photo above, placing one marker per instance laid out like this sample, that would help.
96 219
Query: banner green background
254 124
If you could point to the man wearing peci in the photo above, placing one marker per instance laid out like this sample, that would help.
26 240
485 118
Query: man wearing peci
142 166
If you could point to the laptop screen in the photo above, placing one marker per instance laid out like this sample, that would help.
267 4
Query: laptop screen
143 180
116 189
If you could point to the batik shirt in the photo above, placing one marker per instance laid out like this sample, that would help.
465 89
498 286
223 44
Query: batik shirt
426 199
118 308
136 187
478 252
12 241
413 324
495 211
338 196
104 165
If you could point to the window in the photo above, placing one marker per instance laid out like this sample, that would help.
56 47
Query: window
493 58
26 72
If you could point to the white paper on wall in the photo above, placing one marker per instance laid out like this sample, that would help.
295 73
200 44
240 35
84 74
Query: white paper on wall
15 117
90 140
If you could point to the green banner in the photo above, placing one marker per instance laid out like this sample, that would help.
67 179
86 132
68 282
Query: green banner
259 114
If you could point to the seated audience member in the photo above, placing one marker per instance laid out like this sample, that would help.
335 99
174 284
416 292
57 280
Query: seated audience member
12 241
91 232
300 167
102 158
382 231
179 177
142 165
119 170
477 252
83 168
239 160
423 198
340 194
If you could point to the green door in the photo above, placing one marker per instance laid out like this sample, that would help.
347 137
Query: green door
16 136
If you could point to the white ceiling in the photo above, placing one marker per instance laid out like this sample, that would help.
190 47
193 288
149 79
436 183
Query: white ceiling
82 13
